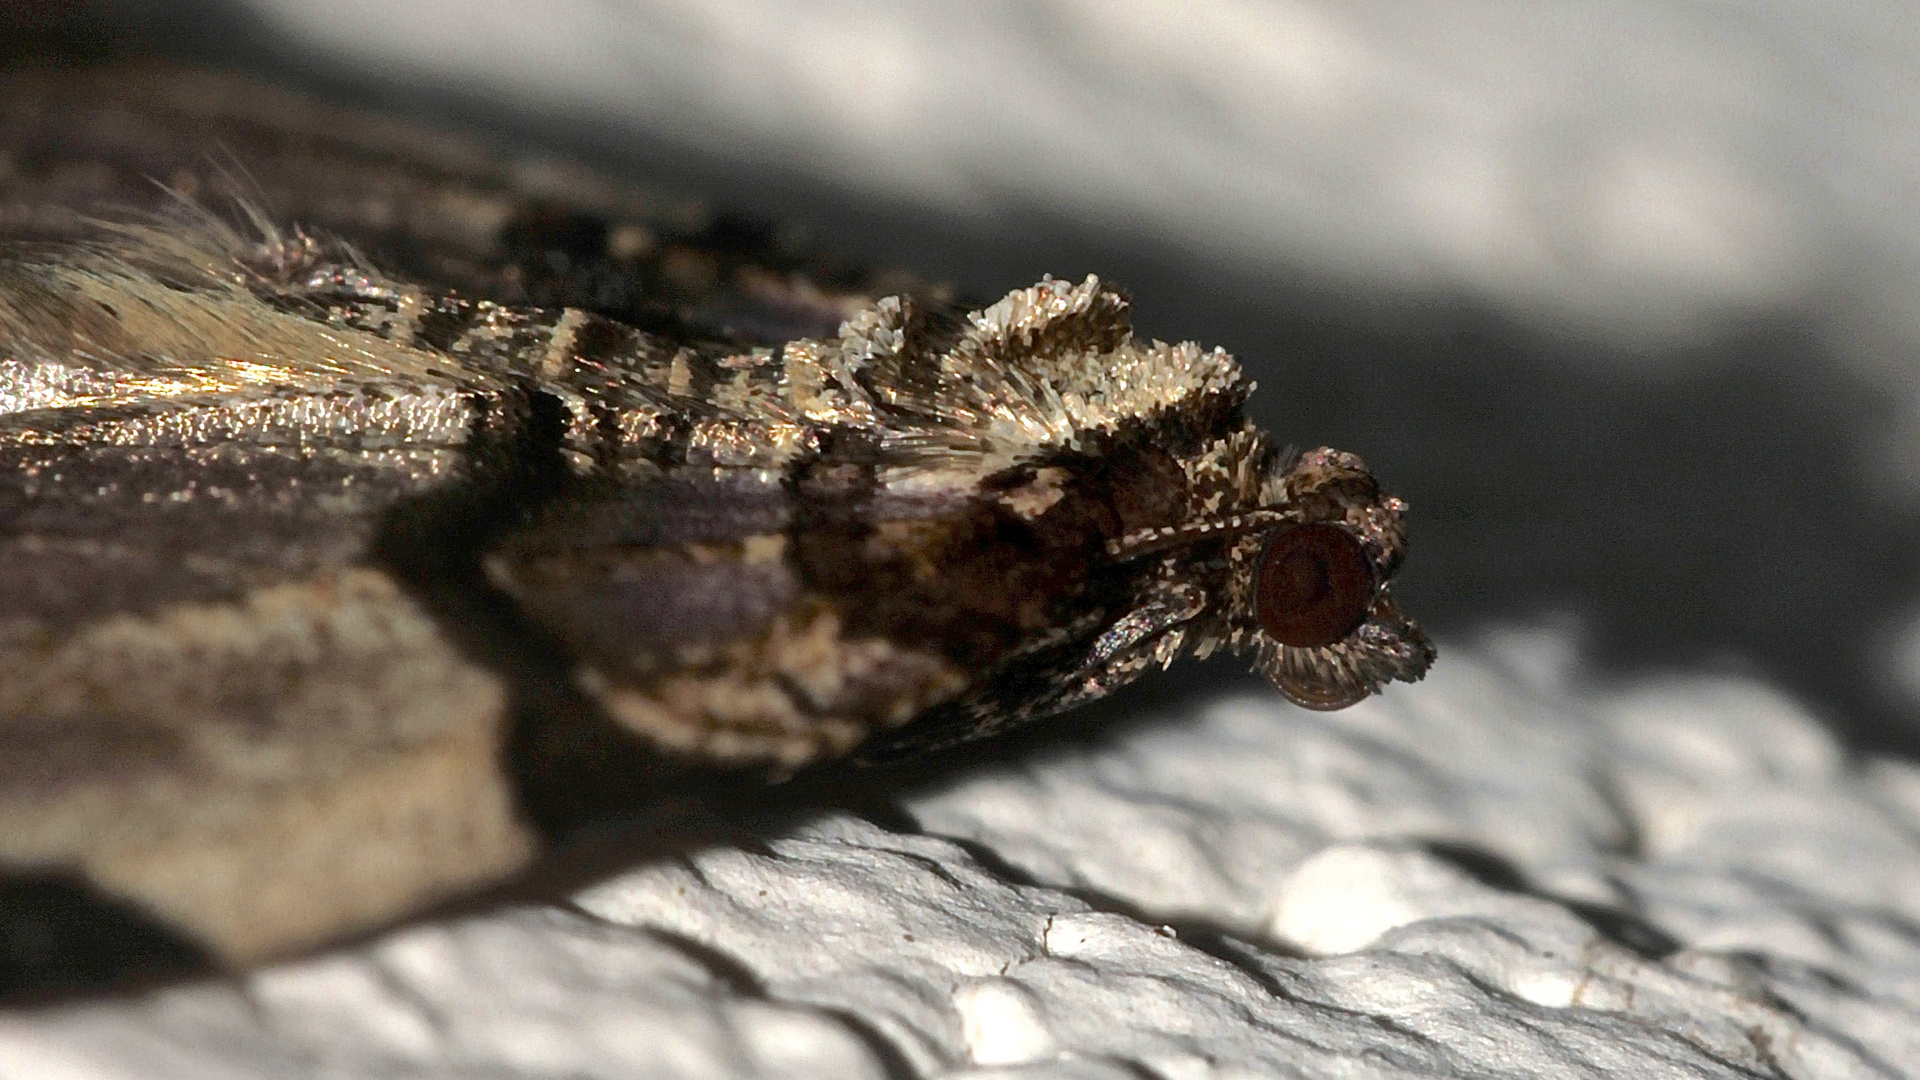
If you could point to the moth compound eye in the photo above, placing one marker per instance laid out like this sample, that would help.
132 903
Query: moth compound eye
1315 585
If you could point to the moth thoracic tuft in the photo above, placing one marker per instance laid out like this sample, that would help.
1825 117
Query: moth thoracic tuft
295 553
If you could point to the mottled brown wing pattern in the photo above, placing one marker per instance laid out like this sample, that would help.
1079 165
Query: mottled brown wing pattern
211 703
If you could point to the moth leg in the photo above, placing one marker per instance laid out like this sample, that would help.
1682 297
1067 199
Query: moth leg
1169 606
1152 633
1148 636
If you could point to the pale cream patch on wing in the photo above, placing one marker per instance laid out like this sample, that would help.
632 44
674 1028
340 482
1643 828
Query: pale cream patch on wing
557 359
797 693
306 761
680 377
1038 495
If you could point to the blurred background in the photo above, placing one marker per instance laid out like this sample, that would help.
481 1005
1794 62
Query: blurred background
1620 295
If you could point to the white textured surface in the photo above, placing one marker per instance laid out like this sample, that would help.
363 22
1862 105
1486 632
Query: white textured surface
1315 860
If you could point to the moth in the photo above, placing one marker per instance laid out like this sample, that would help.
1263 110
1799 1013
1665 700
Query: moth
346 554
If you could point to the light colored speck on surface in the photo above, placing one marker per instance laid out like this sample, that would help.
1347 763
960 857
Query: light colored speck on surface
1001 1022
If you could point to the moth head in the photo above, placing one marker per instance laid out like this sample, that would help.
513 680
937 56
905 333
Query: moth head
1309 568
1315 584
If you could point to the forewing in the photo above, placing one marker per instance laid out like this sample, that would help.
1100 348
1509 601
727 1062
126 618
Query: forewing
212 703
698 625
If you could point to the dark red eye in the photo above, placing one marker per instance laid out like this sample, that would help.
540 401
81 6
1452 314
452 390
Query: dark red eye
1315 585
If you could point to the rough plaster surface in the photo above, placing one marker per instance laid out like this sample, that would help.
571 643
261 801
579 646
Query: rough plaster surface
1498 873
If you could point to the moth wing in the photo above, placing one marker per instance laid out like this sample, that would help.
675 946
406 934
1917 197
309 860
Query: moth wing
698 625
212 706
